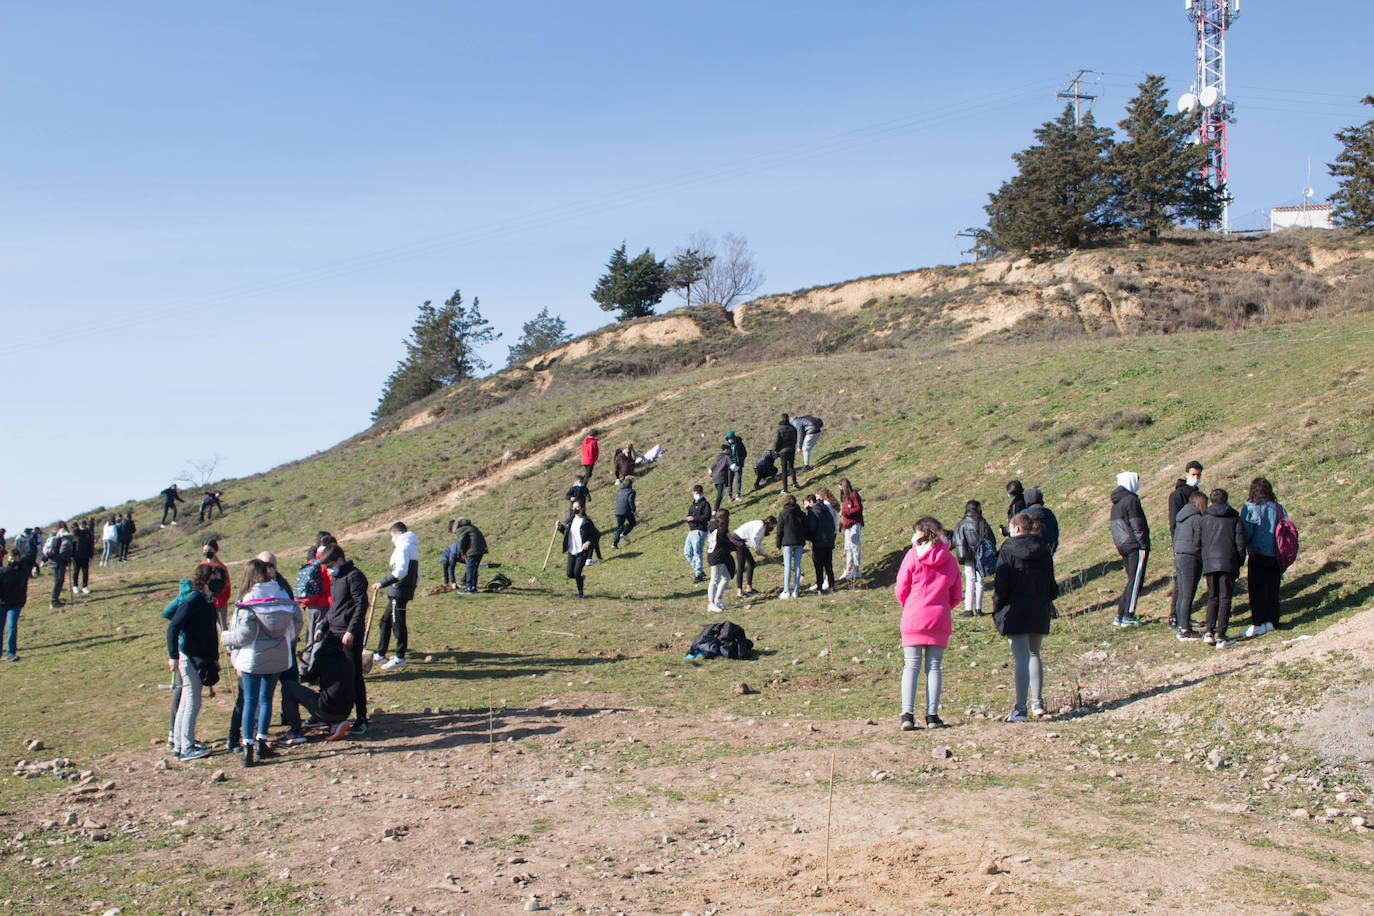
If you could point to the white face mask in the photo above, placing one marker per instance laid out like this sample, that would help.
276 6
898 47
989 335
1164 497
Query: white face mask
1192 480
696 496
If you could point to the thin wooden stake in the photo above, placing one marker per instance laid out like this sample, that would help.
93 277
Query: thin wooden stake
491 736
829 807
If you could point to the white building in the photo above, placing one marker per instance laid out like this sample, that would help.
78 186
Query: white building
1303 216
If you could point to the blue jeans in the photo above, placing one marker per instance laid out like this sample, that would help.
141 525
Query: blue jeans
791 569
12 629
470 571
696 540
257 703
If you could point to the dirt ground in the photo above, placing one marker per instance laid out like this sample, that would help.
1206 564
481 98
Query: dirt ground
583 804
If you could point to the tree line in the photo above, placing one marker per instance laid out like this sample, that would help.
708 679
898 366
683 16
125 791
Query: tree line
441 349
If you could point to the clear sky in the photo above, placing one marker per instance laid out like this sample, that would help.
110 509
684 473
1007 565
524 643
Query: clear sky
217 220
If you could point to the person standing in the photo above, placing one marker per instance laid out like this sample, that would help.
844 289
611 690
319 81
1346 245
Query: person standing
785 446
14 594
403 573
749 537
170 497
346 620
1049 525
1022 604
972 531
720 475
1131 535
697 519
210 552
58 552
1187 541
1016 503
1223 552
1184 488
290 712
720 544
807 435
927 589
472 546
624 510
738 453
3 546
579 539
109 542
820 531
851 527
259 641
790 539
1260 516
82 551
127 528
192 651
591 450
578 493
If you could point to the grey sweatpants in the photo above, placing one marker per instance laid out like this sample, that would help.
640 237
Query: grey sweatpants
933 656
1025 656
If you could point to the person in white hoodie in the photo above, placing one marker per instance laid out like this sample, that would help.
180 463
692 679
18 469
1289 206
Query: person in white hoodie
109 542
402 575
266 621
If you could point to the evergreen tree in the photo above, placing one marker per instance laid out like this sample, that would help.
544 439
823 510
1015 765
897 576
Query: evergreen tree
1060 196
541 333
441 350
1156 171
634 287
1352 205
687 272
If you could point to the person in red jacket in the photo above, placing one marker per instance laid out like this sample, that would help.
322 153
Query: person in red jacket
221 598
928 586
591 450
852 525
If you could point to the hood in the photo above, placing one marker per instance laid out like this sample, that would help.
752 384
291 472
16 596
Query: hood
930 555
1024 546
407 546
1128 481
272 606
1222 510
1188 511
184 588
1120 493
626 484
1182 484
1034 497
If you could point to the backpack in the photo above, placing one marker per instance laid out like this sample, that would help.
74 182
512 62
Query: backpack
309 580
499 583
985 557
67 547
1286 542
723 640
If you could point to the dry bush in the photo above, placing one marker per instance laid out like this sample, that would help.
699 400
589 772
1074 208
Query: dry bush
1070 439
1124 419
1034 426
924 482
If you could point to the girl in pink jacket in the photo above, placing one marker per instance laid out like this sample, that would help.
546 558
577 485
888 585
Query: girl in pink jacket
928 585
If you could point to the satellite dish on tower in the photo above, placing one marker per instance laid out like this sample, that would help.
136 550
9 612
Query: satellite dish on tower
1209 96
1307 193
1187 102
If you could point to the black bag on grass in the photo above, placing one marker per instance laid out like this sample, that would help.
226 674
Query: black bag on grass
724 640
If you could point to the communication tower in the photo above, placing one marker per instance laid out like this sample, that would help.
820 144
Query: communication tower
1212 19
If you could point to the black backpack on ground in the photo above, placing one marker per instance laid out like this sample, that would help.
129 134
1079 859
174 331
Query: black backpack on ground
724 640
499 583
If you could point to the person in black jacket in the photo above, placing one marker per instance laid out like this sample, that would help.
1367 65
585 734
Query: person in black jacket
790 539
577 493
1022 605
331 668
738 453
1223 554
1049 525
697 518
1131 535
126 528
1183 490
83 549
785 446
624 510
971 531
720 474
59 550
170 497
14 594
472 546
1187 564
579 541
346 620
192 650
820 531
1016 503
765 468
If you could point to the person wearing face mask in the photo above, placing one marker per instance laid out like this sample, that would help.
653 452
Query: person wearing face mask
192 653
738 453
346 620
1131 535
211 554
401 578
698 517
579 540
1184 488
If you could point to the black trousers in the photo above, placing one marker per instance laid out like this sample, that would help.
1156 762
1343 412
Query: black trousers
720 495
1135 563
823 559
624 524
576 562
59 577
124 550
1187 573
173 508
395 617
1262 580
81 573
359 684
295 695
744 567
1221 588
736 486
788 458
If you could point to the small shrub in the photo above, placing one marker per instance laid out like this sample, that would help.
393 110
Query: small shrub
1034 426
1070 439
924 482
1001 439
1124 419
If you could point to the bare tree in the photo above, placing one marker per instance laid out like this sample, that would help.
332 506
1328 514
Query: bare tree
730 273
199 473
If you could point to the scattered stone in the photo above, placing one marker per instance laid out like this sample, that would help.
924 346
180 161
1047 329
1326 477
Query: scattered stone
824 653
989 867
533 905
1300 814
92 825
940 752
1113 774
429 658
34 745
162 764
1359 822
994 888
99 836
218 776
741 689
70 819
1342 798
1215 761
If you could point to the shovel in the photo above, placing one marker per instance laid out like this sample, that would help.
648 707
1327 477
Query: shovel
368 655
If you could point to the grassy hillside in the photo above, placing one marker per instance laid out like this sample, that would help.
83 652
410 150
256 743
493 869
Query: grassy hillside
917 432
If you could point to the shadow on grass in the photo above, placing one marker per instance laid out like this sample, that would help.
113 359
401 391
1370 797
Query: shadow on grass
464 665
1301 606
90 642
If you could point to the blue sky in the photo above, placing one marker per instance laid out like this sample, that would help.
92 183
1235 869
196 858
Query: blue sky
217 220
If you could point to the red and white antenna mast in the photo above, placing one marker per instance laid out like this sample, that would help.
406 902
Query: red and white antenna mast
1212 18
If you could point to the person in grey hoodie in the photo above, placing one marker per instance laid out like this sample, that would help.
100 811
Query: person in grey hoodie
1187 564
1223 553
265 623
1131 535
624 510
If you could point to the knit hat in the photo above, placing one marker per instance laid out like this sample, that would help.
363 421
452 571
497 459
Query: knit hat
1129 481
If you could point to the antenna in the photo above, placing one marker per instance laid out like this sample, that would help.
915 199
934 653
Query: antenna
1212 18
1071 90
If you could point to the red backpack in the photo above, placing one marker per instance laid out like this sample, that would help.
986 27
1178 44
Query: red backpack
1285 541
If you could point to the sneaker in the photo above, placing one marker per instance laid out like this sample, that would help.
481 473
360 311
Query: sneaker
396 663
339 731
698 578
359 728
1116 621
714 608
1253 630
934 722
1188 635
11 658
75 590
1017 715
814 588
1173 624
162 526
1037 709
1208 638
1222 642
1132 622
174 524
292 738
908 722
313 721
966 615
194 753
784 595
85 590
171 741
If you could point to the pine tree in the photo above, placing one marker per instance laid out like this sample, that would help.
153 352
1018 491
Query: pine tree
541 333
1352 205
441 350
1156 172
633 287
1060 196
687 272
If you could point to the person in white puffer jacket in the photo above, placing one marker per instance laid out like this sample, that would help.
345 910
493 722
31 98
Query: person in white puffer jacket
266 621
402 576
